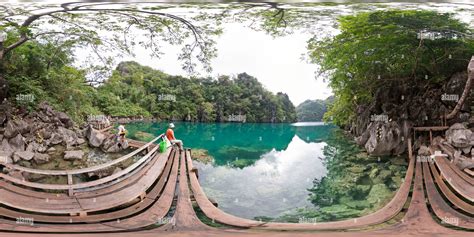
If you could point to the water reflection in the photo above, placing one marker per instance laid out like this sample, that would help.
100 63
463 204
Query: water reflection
284 172
277 182
228 142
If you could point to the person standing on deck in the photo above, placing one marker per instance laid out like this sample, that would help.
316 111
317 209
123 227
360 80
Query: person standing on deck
171 138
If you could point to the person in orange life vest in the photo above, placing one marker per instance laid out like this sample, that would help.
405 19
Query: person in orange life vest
171 138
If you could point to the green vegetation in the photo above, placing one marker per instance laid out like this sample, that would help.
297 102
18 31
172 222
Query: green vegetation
149 92
382 49
44 71
312 110
356 184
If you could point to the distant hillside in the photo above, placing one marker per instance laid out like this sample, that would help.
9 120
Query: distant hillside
312 110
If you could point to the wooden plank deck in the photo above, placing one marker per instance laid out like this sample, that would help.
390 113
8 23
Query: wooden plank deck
444 212
156 203
380 216
460 185
448 149
87 204
184 217
153 214
418 220
451 196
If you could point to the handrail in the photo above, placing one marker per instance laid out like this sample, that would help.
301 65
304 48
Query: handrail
83 170
106 129
80 185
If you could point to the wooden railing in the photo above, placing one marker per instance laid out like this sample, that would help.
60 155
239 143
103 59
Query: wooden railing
69 173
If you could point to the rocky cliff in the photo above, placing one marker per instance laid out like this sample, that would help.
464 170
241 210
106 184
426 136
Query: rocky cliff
383 125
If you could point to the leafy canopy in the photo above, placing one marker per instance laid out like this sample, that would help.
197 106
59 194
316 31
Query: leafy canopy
373 48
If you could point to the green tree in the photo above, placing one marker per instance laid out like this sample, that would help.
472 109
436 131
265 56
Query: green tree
382 49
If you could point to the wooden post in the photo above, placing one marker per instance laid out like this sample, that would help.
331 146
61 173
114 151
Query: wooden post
410 152
431 137
196 171
70 182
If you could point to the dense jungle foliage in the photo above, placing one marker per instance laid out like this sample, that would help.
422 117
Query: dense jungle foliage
43 71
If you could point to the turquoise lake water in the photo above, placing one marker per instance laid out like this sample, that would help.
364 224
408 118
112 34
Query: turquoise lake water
286 171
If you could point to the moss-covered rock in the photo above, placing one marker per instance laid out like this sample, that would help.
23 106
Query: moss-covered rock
340 211
202 156
378 193
144 136
241 163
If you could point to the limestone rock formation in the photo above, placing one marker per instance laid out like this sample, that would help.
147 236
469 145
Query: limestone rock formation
73 155
383 138
460 137
94 137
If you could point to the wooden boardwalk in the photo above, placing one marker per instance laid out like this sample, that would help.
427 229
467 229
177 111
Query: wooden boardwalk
154 196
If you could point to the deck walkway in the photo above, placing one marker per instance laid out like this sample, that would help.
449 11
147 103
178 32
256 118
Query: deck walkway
140 200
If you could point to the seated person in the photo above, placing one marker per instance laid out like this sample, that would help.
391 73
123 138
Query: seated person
171 138
121 134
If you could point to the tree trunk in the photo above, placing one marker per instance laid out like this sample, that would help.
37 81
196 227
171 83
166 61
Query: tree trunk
3 81
3 88
467 90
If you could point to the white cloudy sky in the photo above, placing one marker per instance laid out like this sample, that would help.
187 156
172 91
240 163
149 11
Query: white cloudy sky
276 62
